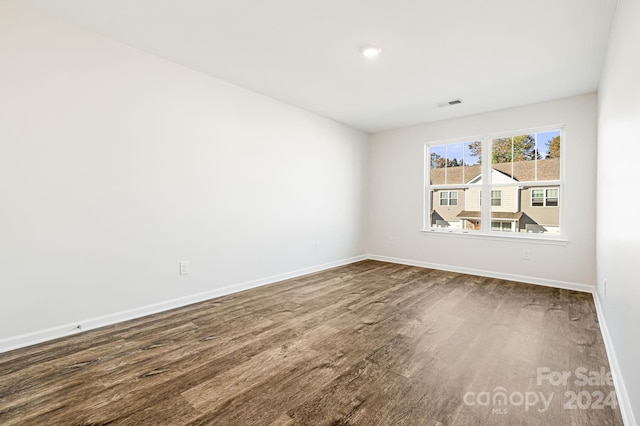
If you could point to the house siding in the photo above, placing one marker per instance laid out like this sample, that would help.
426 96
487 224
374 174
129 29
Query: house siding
545 216
509 199
448 213
515 198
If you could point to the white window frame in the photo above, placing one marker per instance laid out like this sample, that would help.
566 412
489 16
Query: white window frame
486 189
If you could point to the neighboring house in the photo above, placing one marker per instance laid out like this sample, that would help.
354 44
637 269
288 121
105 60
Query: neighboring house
520 202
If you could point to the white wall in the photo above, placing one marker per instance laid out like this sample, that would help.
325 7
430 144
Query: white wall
618 241
115 165
396 197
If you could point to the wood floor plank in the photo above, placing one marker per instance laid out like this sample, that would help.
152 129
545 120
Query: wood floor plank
371 343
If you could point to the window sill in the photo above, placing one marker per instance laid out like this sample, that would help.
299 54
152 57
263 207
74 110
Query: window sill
535 239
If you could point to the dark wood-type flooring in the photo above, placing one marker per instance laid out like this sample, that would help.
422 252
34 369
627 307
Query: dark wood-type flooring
370 343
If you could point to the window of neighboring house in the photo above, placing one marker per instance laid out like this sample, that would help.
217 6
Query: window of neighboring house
449 198
544 197
501 226
486 178
496 198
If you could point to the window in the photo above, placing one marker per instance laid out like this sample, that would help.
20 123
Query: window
546 197
449 198
496 198
502 226
489 180
453 169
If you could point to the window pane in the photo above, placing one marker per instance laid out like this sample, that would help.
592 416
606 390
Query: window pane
548 146
471 154
437 164
453 210
513 159
501 150
455 163
504 208
437 216
445 212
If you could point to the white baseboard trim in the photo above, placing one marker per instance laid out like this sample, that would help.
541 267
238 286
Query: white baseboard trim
21 341
490 274
621 391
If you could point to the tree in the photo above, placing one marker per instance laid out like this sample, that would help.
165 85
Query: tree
439 162
505 150
436 161
475 149
554 147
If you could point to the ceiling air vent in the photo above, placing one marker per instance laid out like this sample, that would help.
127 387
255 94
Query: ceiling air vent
449 103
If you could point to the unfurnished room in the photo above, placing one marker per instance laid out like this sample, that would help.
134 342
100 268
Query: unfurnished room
245 212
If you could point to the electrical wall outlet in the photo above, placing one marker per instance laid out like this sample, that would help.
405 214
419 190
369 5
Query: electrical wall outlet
184 267
316 247
526 254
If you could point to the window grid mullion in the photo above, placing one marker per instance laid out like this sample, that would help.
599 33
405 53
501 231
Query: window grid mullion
485 204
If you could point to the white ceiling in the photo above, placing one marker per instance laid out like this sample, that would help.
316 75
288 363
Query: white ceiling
492 53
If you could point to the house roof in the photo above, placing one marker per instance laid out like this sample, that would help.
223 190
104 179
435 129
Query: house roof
469 214
521 171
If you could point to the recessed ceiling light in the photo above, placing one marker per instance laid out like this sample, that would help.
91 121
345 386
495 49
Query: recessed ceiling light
370 51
